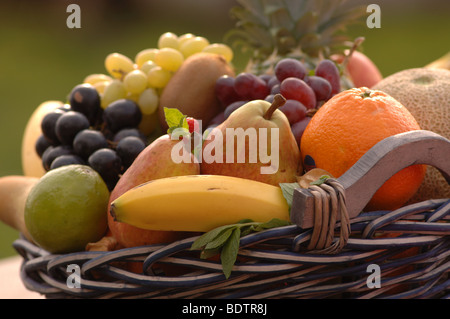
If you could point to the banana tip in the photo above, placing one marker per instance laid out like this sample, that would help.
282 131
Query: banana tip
112 212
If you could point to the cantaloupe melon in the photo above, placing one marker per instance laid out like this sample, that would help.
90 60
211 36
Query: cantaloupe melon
425 93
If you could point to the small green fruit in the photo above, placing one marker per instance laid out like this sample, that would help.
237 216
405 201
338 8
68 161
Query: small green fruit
65 210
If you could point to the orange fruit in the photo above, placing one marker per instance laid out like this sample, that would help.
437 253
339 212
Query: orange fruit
347 126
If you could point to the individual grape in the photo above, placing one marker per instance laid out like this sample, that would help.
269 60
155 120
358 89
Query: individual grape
85 99
193 45
224 90
127 132
232 107
135 82
64 160
128 149
221 49
243 84
261 90
328 70
266 77
48 125
168 40
273 81
88 141
122 113
185 37
147 66
113 91
269 98
96 78
118 65
53 152
275 89
294 110
100 86
298 129
320 86
289 67
42 143
108 164
297 89
169 59
144 56
250 87
148 101
158 77
68 126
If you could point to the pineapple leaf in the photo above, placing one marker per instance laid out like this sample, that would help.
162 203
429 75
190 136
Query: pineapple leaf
251 37
310 44
244 16
340 20
296 8
280 19
255 8
271 6
305 25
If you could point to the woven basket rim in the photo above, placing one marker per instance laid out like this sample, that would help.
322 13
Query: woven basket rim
272 264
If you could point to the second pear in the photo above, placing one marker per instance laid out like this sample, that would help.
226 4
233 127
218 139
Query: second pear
254 142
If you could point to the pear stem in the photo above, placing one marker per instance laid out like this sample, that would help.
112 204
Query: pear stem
355 45
278 101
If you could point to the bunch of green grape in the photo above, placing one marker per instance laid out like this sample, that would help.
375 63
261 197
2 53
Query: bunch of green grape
143 79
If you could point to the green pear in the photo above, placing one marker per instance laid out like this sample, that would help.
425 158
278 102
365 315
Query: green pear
254 142
154 162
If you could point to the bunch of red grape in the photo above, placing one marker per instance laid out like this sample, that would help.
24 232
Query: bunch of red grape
305 90
82 132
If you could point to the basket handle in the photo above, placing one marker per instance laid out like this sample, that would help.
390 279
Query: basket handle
375 167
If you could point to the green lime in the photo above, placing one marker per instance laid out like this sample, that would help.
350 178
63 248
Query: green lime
67 209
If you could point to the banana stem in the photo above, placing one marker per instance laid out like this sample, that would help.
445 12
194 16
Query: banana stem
278 101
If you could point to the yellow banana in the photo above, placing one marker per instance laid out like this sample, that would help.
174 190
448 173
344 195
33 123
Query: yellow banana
199 203
14 190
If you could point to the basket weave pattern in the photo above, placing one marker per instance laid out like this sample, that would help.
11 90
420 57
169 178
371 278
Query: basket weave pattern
411 247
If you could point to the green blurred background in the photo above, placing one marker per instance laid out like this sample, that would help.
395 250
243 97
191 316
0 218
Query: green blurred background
41 59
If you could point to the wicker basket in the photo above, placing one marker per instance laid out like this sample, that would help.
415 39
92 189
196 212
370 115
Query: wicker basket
272 264
403 253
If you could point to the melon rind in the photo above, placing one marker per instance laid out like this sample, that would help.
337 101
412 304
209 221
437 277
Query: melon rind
426 94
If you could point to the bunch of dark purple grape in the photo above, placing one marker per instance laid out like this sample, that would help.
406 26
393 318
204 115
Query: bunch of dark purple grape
305 90
82 132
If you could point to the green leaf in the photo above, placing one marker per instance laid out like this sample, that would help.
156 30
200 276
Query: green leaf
245 221
175 119
204 239
230 251
220 239
273 223
288 191
225 240
321 180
